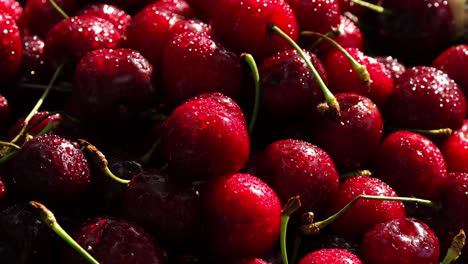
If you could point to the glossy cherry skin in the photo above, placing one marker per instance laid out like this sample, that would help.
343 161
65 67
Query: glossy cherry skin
195 63
332 255
344 79
39 16
210 129
455 150
203 8
170 211
294 167
12 8
426 98
34 128
50 168
11 51
244 25
32 67
364 214
179 7
412 165
399 241
288 86
112 240
452 61
118 17
113 84
393 65
320 16
352 137
72 38
242 216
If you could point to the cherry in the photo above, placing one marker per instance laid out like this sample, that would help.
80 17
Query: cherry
288 86
168 210
344 79
364 214
179 7
294 167
203 8
38 122
328 239
250 261
11 51
332 255
351 138
244 25
113 84
411 164
187 59
190 25
213 127
395 67
72 38
355 9
32 67
12 8
398 241
118 17
52 169
112 240
426 98
4 112
242 216
39 16
455 150
452 61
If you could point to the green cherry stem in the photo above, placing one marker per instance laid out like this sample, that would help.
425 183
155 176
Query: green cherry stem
360 69
315 228
455 250
146 158
49 219
443 132
329 97
373 7
331 33
39 103
256 77
289 208
59 9
348 175
100 160
11 145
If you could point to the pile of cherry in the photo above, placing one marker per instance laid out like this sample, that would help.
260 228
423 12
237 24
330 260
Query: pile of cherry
145 130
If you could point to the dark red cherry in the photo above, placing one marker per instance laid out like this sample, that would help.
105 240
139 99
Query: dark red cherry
203 8
351 138
170 211
72 38
34 128
400 241
242 216
455 150
12 8
118 17
452 61
39 16
4 112
456 198
412 165
113 84
179 7
190 25
250 261
11 51
332 255
4 193
112 240
294 167
188 57
426 98
50 168
355 9
395 67
244 25
209 127
288 86
32 68
364 214
321 16
344 79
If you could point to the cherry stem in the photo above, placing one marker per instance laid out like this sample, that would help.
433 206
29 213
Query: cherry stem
455 250
289 208
444 132
361 70
100 160
9 144
49 219
315 228
6 157
146 158
331 33
39 103
348 175
256 76
373 7
59 9
329 97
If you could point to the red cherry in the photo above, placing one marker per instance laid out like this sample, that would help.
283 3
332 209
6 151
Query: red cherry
455 150
400 241
12 8
11 51
395 67
321 16
203 7
333 255
16 128
244 25
294 167
4 112
365 213
452 61
118 17
355 9
412 165
188 57
179 7
32 66
242 216
251 261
